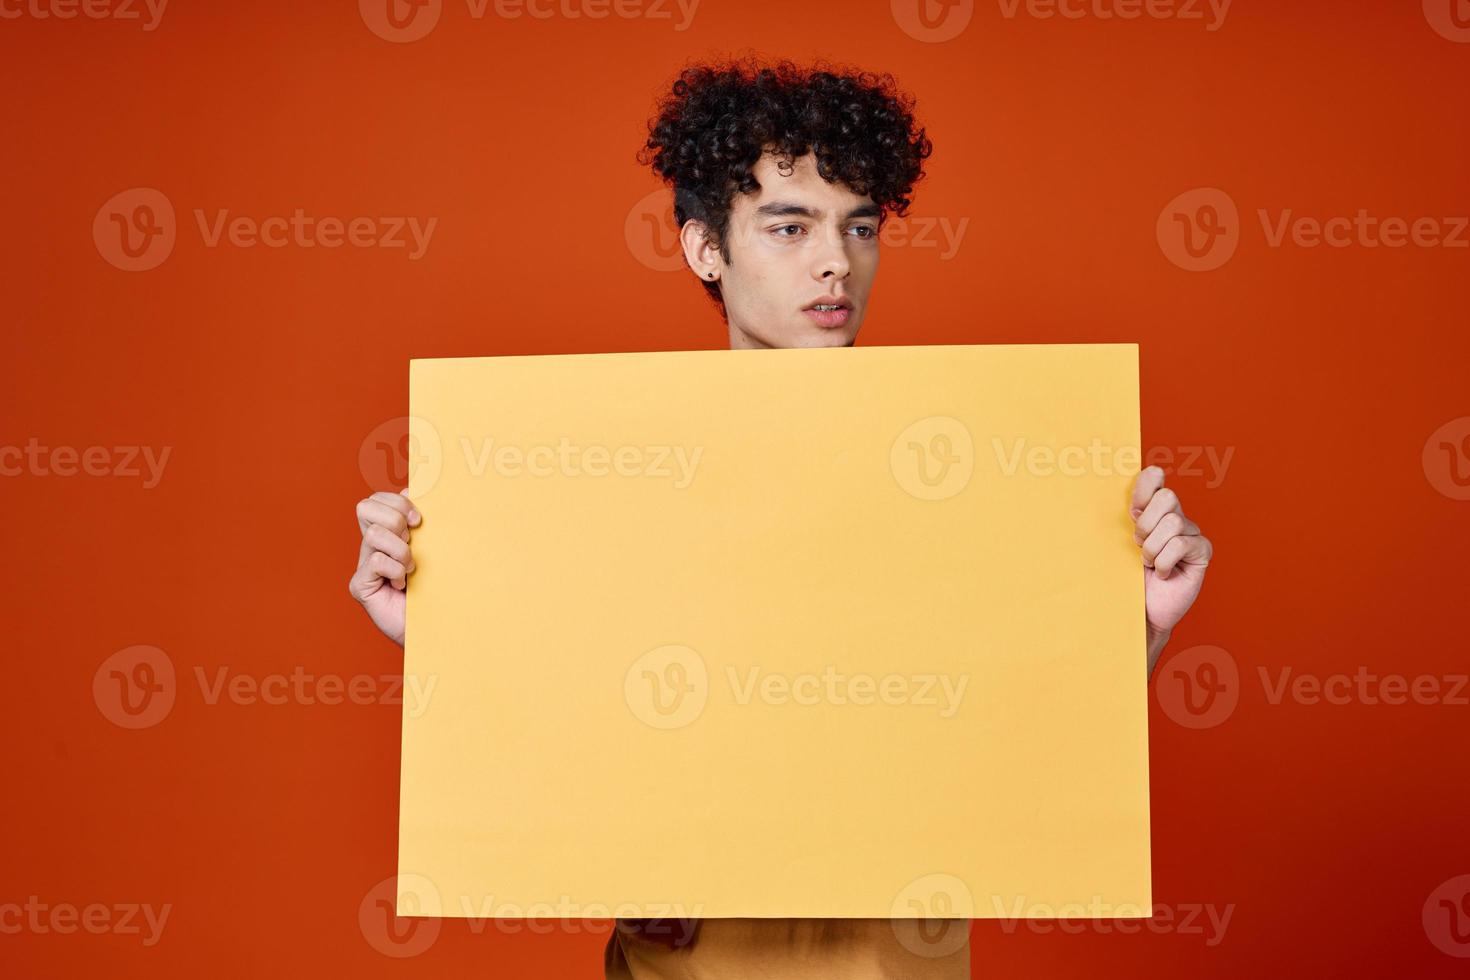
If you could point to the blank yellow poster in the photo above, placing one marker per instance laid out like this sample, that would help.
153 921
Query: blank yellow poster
853 633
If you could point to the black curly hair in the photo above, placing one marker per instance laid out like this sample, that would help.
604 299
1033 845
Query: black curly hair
718 118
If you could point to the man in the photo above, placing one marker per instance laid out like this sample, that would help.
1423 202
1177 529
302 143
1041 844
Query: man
782 177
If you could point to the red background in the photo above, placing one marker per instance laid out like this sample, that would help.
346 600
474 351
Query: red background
1324 369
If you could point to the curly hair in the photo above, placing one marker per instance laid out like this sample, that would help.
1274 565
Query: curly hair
714 124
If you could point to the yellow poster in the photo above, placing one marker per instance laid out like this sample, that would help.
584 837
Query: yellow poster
788 633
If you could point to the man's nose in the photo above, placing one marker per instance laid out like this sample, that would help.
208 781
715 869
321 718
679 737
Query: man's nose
831 262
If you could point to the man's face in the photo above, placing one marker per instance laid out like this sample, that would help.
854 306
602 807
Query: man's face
796 242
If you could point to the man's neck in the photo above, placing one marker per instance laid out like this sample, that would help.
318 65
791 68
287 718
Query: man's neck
740 340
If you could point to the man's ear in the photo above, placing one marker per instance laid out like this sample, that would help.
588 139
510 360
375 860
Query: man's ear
701 254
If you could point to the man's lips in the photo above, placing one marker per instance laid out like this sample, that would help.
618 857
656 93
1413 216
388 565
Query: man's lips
831 317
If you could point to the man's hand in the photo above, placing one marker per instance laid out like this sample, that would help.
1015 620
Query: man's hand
1175 556
385 562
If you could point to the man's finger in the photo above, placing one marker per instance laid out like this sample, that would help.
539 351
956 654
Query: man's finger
1170 526
380 538
1164 501
383 567
1150 478
1186 549
372 511
399 501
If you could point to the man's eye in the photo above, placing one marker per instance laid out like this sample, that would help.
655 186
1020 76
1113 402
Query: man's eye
868 231
784 228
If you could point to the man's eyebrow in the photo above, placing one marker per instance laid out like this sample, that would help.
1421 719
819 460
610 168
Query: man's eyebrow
783 209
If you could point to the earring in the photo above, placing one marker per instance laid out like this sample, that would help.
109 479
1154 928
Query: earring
711 275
